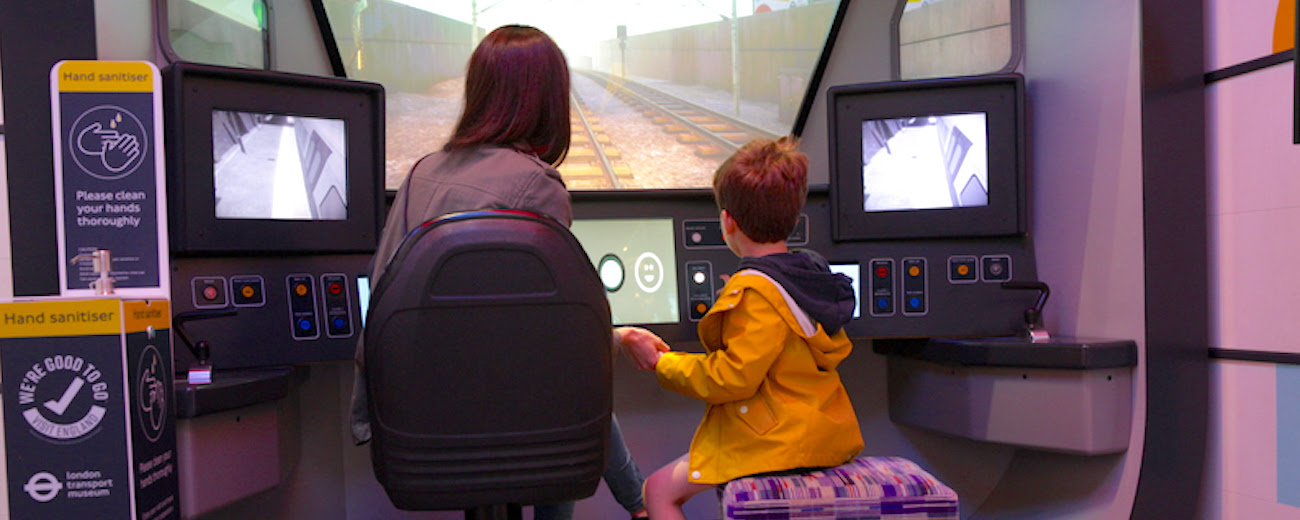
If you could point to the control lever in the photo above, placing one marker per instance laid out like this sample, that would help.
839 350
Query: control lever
200 372
1033 316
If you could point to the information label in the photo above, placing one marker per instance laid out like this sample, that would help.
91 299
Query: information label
109 174
89 428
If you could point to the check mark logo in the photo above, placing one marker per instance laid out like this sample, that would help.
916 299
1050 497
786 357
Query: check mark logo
60 406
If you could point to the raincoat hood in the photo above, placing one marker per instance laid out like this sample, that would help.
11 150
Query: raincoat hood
806 276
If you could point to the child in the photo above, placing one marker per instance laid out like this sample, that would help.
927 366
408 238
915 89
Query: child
773 340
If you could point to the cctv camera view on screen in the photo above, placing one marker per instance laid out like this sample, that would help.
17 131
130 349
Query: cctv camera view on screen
279 167
636 262
931 162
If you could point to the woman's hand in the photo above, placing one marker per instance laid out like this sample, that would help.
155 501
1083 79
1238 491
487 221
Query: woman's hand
643 347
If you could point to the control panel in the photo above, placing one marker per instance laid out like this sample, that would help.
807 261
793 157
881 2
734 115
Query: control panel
905 288
288 310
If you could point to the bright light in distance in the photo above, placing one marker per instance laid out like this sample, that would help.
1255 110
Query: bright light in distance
577 25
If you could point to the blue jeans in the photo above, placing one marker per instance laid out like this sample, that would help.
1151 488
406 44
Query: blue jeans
621 475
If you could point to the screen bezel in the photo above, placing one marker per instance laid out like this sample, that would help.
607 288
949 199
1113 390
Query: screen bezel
1000 97
193 92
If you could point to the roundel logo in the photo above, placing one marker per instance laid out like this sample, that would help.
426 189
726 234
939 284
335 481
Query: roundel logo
63 398
43 487
108 142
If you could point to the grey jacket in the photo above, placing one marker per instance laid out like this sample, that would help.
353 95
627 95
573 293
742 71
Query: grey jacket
479 178
440 183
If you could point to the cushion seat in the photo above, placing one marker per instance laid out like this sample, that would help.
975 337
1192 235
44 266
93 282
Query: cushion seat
866 488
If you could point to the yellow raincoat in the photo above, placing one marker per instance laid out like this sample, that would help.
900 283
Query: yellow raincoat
775 399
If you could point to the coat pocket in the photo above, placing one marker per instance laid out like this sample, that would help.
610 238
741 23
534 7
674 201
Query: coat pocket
755 413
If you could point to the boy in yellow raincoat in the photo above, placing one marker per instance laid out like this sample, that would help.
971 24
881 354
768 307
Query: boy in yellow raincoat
773 339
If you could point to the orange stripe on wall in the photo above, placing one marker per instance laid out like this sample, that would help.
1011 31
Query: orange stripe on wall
1284 26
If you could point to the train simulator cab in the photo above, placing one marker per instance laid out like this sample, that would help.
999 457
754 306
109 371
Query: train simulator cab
974 169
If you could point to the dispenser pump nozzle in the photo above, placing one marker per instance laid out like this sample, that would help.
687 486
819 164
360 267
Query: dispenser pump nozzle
101 261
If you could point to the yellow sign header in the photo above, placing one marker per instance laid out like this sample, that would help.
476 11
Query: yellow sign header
105 76
60 318
143 314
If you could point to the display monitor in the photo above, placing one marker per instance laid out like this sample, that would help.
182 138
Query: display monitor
363 297
637 264
271 162
928 159
279 167
854 272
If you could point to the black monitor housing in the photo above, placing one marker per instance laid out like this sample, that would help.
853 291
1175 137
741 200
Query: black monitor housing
262 162
920 159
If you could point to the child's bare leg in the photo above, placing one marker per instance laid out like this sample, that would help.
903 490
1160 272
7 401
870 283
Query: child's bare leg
669 487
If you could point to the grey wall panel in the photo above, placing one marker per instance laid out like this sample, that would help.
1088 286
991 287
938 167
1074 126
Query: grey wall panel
29 53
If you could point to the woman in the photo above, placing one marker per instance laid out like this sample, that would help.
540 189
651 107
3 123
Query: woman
512 132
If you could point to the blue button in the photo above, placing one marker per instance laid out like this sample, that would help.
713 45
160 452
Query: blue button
304 324
339 323
882 303
914 302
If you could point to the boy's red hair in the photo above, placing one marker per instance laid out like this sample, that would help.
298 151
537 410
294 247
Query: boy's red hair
764 186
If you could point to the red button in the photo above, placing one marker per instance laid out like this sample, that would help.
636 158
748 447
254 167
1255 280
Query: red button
882 272
209 292
335 288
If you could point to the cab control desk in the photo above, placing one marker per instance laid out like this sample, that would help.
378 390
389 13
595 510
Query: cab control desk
1071 395
229 435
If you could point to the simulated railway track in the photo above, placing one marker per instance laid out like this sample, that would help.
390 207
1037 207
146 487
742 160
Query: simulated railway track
710 133
591 163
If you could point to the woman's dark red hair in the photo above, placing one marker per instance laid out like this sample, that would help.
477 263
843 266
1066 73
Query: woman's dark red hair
516 95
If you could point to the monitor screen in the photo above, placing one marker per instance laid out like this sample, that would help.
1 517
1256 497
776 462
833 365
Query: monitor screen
854 272
928 159
363 296
263 162
278 167
930 162
636 261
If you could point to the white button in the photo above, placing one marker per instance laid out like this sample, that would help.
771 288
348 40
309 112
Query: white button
744 409
695 475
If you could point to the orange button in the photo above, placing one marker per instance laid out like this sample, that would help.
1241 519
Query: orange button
247 291
963 270
701 308
301 289
914 271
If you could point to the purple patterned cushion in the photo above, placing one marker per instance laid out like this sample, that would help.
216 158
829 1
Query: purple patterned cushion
867 488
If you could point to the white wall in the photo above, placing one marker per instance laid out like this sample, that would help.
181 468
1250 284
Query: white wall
6 255
1081 68
1255 225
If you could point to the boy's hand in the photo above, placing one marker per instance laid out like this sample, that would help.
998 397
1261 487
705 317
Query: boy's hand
642 346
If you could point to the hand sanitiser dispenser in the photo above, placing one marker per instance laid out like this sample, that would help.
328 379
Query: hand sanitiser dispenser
102 264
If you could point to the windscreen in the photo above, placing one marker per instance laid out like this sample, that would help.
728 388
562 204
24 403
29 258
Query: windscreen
279 167
662 92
